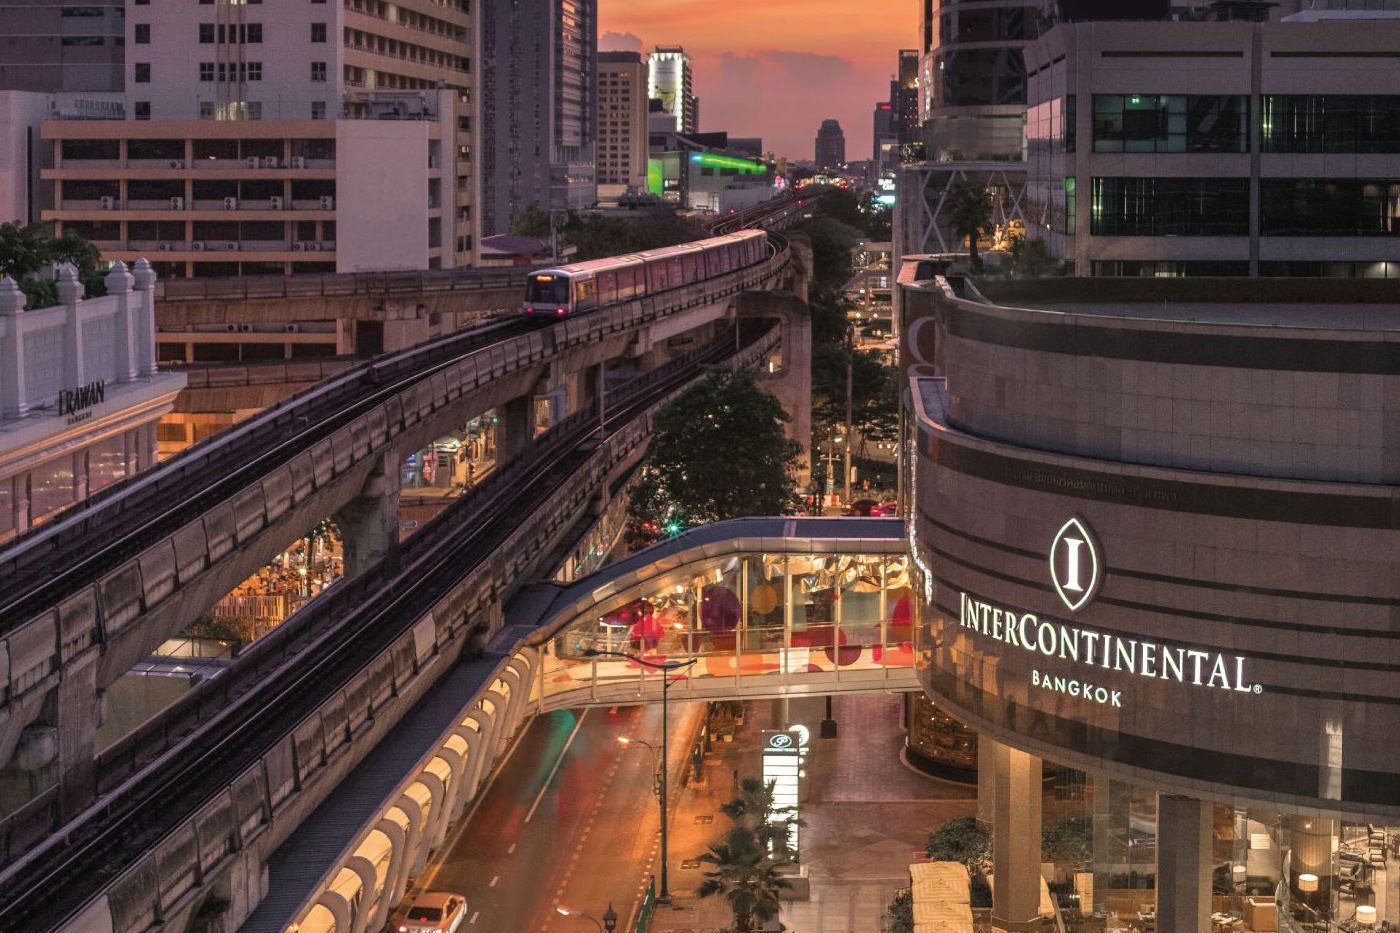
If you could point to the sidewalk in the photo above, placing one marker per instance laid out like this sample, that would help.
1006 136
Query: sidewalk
866 812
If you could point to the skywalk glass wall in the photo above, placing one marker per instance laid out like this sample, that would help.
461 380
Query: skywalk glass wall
751 620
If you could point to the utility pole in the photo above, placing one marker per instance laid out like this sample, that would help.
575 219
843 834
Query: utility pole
850 359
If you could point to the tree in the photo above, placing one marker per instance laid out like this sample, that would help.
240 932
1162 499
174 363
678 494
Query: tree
874 392
746 863
832 242
29 249
969 211
753 809
961 840
718 451
1030 259
1070 840
901 913
532 220
747 876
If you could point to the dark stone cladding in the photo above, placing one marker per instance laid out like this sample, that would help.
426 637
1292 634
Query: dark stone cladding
1361 355
1380 510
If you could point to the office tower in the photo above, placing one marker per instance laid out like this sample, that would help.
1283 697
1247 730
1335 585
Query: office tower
670 83
539 107
830 145
885 141
904 97
1250 160
52 46
622 123
335 94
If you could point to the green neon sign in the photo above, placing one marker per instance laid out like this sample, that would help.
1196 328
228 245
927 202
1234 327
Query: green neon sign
710 160
654 177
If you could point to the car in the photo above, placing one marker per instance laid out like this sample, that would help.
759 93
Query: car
888 507
862 507
434 912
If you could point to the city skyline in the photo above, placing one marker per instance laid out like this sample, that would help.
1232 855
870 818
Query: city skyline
760 81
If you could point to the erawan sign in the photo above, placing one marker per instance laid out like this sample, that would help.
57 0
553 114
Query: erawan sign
1076 568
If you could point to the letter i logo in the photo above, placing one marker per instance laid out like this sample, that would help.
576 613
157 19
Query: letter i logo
1075 564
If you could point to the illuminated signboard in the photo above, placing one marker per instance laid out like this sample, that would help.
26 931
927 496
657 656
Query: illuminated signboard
1076 570
654 177
712 160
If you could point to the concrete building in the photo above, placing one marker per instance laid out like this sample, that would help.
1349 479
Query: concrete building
264 197
830 145
80 396
702 172
539 107
622 124
1154 531
51 45
904 97
670 83
1218 148
258 107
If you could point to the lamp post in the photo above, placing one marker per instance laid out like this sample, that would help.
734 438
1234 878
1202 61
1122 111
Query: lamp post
666 668
626 741
608 923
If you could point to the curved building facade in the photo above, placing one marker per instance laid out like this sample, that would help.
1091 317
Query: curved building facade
1158 538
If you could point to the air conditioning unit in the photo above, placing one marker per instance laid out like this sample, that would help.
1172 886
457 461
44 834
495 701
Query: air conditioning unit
275 202
163 247
292 328
254 162
230 246
245 328
177 163
230 204
313 246
298 162
197 246
177 204
327 202
108 203
298 246
270 161
231 328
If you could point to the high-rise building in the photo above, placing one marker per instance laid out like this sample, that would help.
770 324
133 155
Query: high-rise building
885 142
670 83
539 107
1247 159
831 145
54 45
974 77
253 139
622 123
904 97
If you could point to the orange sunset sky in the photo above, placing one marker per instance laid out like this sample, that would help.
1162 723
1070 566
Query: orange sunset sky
776 69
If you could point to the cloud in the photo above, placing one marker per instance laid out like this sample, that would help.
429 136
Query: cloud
783 95
619 42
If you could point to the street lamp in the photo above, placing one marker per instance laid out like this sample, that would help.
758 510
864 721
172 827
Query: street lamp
627 741
666 668
609 922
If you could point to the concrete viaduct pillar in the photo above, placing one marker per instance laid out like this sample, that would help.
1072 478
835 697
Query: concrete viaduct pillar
792 385
1016 827
516 428
369 523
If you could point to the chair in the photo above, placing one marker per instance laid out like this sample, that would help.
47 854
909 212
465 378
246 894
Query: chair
1261 914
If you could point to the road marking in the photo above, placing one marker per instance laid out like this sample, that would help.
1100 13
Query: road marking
555 770
474 916
494 879
511 850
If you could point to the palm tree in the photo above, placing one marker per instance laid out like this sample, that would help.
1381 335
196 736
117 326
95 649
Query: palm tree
747 875
754 811
969 212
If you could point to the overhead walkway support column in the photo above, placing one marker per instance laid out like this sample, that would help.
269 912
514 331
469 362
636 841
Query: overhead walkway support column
516 428
369 523
1183 863
791 385
1016 840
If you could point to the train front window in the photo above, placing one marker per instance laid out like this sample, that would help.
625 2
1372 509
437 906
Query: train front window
547 290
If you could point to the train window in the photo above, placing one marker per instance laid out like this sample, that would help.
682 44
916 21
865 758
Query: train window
585 293
688 268
673 271
607 287
547 289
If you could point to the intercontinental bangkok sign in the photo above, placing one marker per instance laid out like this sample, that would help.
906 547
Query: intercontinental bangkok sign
1075 569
